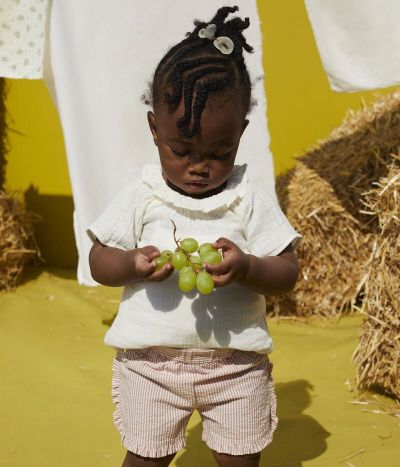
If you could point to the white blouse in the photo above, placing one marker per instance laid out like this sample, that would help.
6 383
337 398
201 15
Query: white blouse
158 313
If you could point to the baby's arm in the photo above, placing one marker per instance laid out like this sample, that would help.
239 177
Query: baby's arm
115 267
269 275
272 275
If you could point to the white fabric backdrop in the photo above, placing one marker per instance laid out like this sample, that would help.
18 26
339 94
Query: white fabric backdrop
359 42
99 56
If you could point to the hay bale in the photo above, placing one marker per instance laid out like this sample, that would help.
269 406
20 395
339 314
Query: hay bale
358 153
377 356
332 253
17 243
321 196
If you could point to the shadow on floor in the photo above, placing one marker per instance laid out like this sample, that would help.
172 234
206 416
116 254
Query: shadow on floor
32 272
298 437
108 322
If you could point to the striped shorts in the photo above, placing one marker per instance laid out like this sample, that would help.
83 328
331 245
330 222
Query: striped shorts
156 389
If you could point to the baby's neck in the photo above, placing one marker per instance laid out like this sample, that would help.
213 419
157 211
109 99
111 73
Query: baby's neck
213 192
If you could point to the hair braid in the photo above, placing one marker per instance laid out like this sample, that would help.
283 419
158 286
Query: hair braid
195 67
222 13
189 87
175 77
200 103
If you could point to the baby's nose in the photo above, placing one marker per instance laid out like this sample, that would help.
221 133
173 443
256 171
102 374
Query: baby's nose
198 165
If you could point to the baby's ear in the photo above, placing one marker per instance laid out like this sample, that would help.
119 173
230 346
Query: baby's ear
152 125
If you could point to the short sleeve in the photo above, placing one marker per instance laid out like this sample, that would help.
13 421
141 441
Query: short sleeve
268 230
115 227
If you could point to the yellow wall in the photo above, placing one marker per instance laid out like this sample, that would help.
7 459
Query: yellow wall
301 106
301 110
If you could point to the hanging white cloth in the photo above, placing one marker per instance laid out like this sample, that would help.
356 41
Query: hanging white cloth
359 42
99 57
22 38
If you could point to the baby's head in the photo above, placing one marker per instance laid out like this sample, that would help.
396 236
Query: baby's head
201 95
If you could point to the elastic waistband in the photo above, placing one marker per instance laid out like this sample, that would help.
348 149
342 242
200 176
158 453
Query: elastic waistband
191 355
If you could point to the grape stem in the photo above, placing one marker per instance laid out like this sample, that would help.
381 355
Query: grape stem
176 241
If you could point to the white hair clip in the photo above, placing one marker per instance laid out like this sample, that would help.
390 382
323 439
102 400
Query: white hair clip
223 43
208 32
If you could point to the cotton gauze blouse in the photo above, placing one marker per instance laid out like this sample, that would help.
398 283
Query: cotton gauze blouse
158 313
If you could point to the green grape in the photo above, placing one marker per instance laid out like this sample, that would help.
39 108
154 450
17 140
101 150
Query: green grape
196 261
205 247
167 253
211 257
179 259
204 282
185 269
187 280
189 245
161 261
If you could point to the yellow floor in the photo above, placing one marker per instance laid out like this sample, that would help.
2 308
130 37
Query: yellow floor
56 407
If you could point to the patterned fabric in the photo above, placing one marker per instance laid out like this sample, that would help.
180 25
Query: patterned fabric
22 38
156 390
158 313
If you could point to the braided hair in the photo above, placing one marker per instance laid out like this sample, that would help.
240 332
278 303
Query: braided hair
195 68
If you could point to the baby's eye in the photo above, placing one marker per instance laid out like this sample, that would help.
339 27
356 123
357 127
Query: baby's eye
221 156
180 154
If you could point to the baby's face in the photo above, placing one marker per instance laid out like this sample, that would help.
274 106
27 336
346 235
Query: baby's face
200 165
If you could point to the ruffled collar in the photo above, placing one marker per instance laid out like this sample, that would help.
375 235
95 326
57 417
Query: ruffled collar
236 188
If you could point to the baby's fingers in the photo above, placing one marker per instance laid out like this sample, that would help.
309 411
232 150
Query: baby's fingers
144 268
221 280
150 251
224 244
221 268
161 274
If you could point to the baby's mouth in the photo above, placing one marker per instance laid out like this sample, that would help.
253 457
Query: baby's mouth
196 185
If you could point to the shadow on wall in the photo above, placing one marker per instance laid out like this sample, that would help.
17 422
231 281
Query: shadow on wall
54 233
353 157
3 128
298 437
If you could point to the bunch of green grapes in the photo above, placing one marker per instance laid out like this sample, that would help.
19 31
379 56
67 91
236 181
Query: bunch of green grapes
188 258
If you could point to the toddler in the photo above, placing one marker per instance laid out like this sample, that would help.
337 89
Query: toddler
179 352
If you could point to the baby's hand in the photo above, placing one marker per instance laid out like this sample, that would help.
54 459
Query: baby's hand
144 266
234 266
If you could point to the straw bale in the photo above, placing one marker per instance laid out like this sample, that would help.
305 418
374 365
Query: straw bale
17 243
329 254
358 153
321 197
377 356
